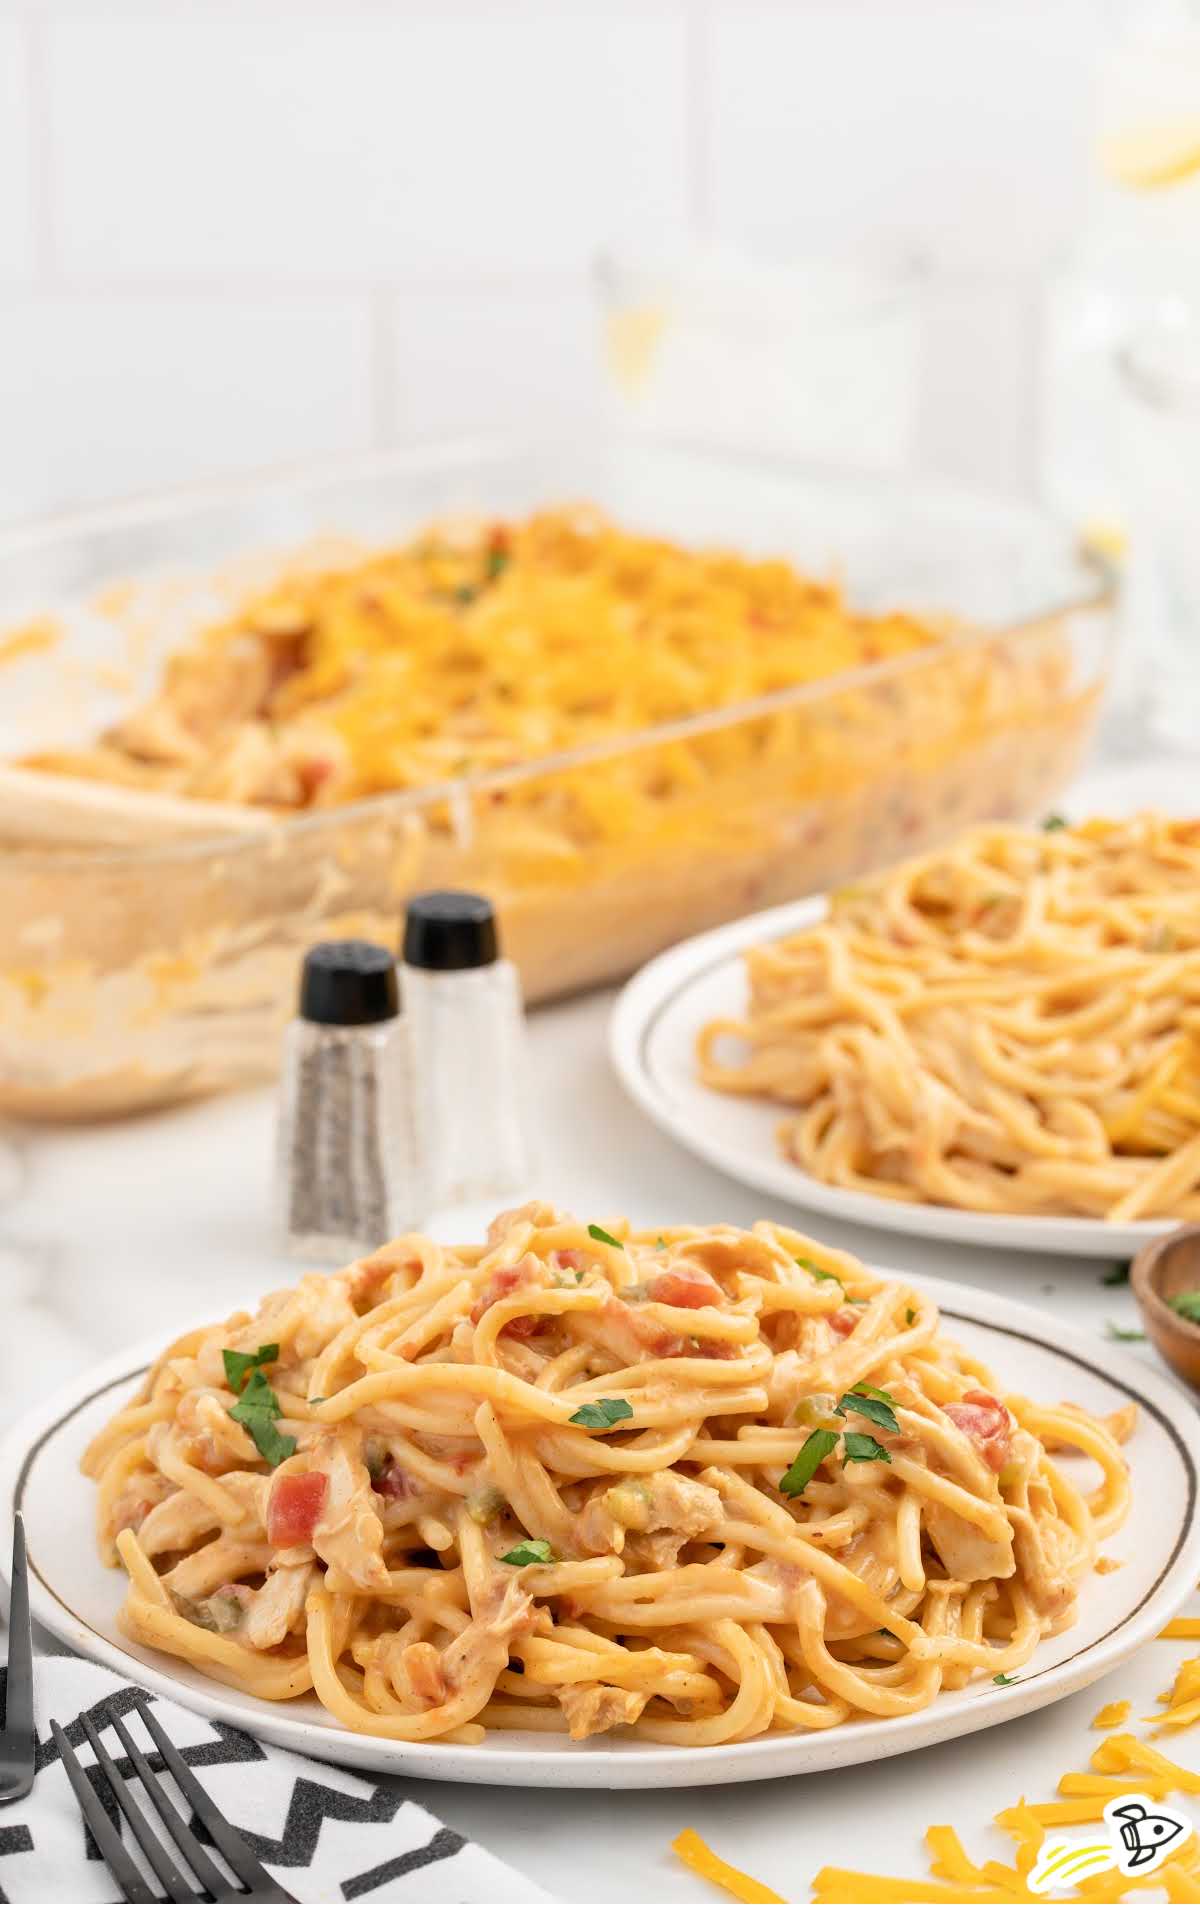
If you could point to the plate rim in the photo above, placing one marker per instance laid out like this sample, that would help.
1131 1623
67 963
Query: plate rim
616 1767
665 981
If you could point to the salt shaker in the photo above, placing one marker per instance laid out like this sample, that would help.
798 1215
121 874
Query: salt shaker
346 1167
469 1061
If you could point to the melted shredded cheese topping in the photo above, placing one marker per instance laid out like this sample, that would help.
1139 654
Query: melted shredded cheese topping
476 648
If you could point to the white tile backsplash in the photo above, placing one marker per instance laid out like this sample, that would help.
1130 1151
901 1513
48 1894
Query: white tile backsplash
374 143
238 231
16 149
978 417
956 128
102 396
498 361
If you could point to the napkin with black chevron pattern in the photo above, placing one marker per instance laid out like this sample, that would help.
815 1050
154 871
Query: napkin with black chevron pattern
326 1834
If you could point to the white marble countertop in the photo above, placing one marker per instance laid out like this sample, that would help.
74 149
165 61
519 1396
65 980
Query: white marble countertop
109 1233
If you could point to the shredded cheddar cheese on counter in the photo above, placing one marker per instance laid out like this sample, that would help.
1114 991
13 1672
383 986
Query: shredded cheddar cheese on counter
1114 1714
703 1861
1182 1701
31 638
1120 1764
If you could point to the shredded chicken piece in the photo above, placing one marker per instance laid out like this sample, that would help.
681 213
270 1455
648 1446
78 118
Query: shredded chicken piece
475 1656
591 1708
504 1612
1045 1580
180 1521
964 1550
421 1667
216 1441
647 1505
131 1508
278 1606
349 1534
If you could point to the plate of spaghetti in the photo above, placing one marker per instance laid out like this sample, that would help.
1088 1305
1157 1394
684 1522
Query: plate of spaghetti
994 1043
594 1506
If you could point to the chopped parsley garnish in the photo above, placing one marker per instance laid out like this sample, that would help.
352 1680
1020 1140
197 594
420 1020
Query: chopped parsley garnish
604 1237
257 1411
818 1445
660 1243
602 1414
528 1554
238 1364
875 1404
1186 1304
1116 1334
498 559
1004 1679
1112 1279
910 1317
814 1269
863 1448
1054 823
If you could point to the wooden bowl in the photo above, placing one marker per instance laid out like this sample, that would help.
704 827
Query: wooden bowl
1162 1269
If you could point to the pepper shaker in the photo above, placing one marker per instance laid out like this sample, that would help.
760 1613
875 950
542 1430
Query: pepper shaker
346 1166
469 1056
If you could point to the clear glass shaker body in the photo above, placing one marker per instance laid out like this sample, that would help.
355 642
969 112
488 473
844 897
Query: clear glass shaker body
346 1168
470 1074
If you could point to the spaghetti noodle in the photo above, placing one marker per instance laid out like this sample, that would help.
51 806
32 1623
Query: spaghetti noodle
1011 1024
698 1484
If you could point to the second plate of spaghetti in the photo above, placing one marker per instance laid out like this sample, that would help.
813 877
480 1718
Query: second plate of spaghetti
588 1506
997 1043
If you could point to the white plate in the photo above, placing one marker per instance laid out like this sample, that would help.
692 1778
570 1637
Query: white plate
652 1042
77 1598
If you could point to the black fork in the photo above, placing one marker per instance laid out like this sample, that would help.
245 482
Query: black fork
18 1742
256 1882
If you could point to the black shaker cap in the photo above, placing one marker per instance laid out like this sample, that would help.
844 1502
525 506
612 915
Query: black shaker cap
450 932
349 982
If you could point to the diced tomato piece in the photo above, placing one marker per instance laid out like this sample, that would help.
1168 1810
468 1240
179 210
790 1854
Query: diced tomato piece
502 1283
987 1423
843 1322
313 774
640 1331
685 1289
523 1327
294 1508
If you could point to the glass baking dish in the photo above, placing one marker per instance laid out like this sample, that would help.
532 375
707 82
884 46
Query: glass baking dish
137 975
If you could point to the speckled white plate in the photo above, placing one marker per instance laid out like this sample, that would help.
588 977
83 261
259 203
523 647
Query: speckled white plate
652 1042
1159 1547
